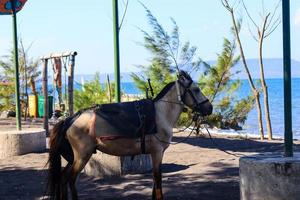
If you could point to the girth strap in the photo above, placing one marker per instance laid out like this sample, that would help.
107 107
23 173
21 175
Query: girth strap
142 129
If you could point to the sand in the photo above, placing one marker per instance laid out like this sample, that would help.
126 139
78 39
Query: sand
194 169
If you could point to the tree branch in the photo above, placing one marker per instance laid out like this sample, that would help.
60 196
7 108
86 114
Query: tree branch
124 14
273 15
248 14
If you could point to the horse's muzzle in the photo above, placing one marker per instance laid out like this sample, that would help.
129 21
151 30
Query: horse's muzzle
204 109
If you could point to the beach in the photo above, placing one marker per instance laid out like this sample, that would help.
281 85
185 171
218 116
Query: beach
194 169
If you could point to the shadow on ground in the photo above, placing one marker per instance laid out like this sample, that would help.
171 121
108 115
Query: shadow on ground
17 183
29 184
175 186
234 144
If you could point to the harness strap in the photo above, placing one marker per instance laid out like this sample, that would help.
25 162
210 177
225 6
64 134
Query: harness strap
141 112
143 148
178 92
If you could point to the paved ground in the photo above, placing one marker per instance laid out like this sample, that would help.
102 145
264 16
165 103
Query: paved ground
194 169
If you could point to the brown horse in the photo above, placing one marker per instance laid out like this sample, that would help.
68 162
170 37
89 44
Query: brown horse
77 137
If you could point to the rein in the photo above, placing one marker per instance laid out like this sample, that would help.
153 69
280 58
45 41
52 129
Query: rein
174 143
237 155
196 127
181 98
195 119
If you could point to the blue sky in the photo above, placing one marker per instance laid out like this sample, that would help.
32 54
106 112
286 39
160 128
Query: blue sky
56 26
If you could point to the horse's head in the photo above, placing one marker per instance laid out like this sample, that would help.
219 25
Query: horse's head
191 95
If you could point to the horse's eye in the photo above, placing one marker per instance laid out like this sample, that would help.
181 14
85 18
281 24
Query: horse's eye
197 90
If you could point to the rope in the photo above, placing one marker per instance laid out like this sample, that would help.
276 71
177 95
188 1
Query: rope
237 155
196 127
195 119
174 143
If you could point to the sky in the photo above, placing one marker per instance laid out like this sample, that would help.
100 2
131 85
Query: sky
75 25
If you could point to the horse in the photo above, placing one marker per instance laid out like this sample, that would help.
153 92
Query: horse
76 138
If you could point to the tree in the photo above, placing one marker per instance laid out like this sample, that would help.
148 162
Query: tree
217 84
29 73
269 24
7 87
168 55
92 93
6 94
28 68
236 30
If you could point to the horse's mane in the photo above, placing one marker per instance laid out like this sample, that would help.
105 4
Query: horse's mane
164 91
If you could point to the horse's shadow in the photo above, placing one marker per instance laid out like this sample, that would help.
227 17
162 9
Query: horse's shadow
30 183
171 167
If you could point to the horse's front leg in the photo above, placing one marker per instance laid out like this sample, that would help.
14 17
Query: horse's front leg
157 178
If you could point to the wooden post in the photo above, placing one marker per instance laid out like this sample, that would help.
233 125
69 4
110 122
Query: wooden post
71 84
59 55
108 87
45 93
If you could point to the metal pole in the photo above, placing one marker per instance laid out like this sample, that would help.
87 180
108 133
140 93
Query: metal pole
16 62
288 134
116 50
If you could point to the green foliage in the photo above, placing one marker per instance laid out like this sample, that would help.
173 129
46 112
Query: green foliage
92 93
217 84
6 95
7 87
168 54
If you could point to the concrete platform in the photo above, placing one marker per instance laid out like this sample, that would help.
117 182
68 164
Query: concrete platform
270 177
103 165
13 142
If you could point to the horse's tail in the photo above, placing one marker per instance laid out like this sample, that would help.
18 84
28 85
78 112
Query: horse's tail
59 145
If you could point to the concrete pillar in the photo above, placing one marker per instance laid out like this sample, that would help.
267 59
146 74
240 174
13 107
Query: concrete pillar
14 143
270 177
104 165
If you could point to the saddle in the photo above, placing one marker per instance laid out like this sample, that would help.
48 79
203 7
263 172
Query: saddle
128 119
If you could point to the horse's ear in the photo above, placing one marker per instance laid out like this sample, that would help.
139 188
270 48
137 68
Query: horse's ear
184 78
180 76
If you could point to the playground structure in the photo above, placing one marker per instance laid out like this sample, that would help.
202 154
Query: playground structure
58 59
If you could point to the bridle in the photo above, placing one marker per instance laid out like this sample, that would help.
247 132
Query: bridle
181 101
187 90
182 96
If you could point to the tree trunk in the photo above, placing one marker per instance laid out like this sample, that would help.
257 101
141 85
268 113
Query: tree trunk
266 98
267 113
259 114
253 88
263 82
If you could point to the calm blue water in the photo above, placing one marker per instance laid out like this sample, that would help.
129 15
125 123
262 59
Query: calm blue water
275 101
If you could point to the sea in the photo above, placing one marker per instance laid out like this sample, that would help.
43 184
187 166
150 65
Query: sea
276 103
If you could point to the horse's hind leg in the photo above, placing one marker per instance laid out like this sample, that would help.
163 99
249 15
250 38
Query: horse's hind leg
83 147
65 179
80 159
78 165
156 164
